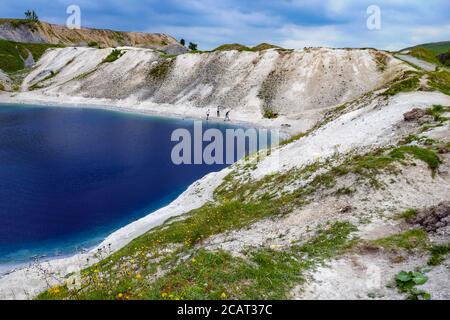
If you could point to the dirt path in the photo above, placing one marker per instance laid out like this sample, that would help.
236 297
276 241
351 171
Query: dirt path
427 66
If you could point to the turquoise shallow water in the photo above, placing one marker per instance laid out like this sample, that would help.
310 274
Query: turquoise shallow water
71 176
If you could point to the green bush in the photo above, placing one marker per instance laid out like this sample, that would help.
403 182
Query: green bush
93 44
113 56
406 282
269 114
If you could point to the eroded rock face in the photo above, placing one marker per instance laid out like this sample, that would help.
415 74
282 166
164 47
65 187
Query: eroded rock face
414 115
22 31
433 219
294 83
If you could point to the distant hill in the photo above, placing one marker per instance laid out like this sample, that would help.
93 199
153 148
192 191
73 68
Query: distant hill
20 30
435 47
240 47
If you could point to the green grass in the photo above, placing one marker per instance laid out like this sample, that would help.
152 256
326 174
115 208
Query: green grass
293 138
2 87
233 46
406 85
261 274
269 114
12 54
440 80
168 56
425 54
438 254
93 44
424 154
265 46
436 112
113 56
409 240
408 214
435 47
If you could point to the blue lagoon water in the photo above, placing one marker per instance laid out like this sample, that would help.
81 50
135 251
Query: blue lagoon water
71 176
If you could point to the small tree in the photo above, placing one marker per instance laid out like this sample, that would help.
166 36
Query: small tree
31 16
183 42
192 46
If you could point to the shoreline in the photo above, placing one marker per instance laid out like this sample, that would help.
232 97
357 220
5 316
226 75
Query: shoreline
23 281
287 127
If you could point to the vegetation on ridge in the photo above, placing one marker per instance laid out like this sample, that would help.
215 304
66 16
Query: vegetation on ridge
13 54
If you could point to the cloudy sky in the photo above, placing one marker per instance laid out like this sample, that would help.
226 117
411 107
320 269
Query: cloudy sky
289 23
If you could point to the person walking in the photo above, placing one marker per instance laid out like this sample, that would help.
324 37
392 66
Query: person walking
218 111
207 114
227 116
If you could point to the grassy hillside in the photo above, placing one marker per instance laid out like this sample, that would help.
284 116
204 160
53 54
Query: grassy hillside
435 47
424 54
240 47
13 54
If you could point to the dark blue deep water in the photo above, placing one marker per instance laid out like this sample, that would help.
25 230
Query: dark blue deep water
71 176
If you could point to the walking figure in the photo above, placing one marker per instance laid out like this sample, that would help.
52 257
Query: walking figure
227 116
218 111
207 115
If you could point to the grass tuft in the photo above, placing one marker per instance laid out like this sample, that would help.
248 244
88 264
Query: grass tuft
409 240
113 56
424 154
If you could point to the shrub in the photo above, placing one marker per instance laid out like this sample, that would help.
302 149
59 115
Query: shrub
193 46
93 44
269 114
406 282
113 56
31 16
